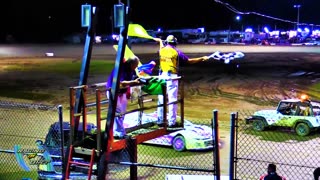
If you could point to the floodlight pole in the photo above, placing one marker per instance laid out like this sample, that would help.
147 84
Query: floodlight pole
122 23
86 58
298 15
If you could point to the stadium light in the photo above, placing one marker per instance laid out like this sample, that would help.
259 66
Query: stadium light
298 15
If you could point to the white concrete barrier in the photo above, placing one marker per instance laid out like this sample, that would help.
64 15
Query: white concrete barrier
193 177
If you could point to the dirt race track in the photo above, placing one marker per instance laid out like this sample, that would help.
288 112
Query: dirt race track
102 50
259 80
265 73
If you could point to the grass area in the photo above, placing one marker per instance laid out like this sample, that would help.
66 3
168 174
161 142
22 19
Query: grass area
61 67
32 175
162 152
45 79
9 169
278 134
22 94
313 91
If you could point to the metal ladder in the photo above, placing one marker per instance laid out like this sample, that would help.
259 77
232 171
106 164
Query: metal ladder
78 150
70 162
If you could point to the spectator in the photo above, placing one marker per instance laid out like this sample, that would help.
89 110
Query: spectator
307 111
272 174
316 173
294 110
170 59
127 78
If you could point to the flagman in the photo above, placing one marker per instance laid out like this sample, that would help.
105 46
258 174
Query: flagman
170 59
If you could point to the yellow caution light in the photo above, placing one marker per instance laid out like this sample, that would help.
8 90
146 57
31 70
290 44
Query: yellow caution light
304 97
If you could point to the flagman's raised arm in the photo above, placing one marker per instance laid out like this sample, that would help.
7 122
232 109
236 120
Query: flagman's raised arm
199 59
160 42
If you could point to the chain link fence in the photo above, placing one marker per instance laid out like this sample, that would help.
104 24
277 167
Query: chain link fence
154 162
158 160
295 156
22 125
31 136
23 128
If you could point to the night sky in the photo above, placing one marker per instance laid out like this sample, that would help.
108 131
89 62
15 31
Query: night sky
51 20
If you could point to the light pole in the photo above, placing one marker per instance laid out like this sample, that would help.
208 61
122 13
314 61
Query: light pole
298 15
238 18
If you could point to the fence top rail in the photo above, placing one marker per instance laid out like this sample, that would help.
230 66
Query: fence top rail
103 84
96 85
78 87
160 77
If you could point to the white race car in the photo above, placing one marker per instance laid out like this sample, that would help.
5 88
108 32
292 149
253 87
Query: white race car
191 137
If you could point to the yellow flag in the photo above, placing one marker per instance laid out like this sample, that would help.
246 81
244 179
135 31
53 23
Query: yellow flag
138 31
127 53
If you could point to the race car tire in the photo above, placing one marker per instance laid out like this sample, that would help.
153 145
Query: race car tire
258 125
179 143
302 129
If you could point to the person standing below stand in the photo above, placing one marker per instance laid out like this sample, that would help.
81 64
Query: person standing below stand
316 173
272 174
127 78
170 58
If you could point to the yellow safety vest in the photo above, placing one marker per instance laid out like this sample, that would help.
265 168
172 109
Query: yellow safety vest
168 60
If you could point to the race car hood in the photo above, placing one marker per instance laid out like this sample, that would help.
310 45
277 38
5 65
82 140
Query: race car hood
190 129
265 113
202 131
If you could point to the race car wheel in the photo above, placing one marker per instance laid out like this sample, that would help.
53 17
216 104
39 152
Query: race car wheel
258 125
179 143
302 129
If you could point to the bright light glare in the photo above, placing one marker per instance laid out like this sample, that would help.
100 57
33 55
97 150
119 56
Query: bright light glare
98 39
304 97
292 34
297 6
248 30
115 37
201 30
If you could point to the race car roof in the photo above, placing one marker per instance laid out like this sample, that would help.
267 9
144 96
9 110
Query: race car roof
291 100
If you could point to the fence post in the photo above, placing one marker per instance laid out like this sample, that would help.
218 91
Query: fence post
133 158
164 106
232 143
62 140
215 133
